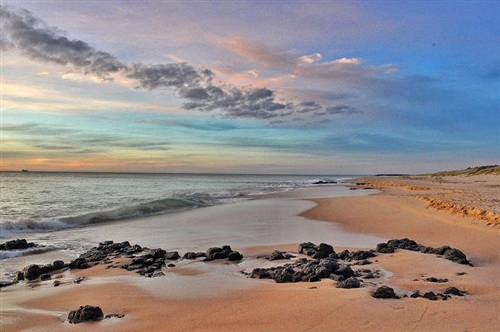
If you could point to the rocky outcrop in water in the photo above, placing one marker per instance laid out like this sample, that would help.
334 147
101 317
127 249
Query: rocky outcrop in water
17 244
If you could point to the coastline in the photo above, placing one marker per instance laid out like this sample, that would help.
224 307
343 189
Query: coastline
267 306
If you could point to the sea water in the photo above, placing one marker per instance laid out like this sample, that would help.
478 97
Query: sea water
34 201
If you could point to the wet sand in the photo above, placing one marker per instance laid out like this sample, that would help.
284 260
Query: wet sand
262 305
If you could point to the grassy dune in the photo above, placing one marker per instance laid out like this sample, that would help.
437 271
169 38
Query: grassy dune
481 170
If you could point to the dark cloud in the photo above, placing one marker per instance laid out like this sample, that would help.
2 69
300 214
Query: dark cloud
31 36
341 109
165 75
38 41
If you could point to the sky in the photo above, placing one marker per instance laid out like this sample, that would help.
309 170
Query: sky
275 87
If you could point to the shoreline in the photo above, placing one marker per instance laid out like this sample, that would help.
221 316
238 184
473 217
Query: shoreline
309 306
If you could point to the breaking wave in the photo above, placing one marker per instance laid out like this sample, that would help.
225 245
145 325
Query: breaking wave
30 224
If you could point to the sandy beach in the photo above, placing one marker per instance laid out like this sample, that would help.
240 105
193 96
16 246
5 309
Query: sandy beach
229 301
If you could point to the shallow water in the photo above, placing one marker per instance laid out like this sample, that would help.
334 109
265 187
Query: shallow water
263 222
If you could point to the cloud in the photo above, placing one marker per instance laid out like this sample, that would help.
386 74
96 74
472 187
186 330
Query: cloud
311 58
34 38
38 41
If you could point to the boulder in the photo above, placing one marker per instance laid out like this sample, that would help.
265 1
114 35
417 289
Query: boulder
31 272
57 265
430 296
172 255
85 314
344 270
277 255
235 256
384 292
303 247
453 291
351 282
17 244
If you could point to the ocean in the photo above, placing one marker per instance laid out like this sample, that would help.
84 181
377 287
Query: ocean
68 213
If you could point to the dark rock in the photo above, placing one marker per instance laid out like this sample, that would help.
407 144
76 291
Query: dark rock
313 279
430 296
351 282
447 252
344 270
324 182
78 280
344 255
160 253
415 295
56 283
79 263
172 255
31 272
433 279
194 255
326 248
456 256
85 314
277 255
363 262
361 255
384 292
171 265
57 265
260 274
114 316
453 291
45 276
17 244
213 250
319 254
323 271
235 256
285 275
20 276
304 246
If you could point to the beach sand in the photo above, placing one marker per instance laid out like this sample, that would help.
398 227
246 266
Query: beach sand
262 305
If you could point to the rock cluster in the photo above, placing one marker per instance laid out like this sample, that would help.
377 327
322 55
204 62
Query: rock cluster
17 244
436 296
42 272
86 313
276 256
89 313
144 261
224 252
325 265
447 252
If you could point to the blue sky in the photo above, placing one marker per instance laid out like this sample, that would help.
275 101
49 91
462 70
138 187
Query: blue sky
351 87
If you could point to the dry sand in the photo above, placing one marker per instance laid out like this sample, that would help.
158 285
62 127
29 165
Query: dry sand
266 306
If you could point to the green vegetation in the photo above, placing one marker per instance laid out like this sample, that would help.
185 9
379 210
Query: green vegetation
481 170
